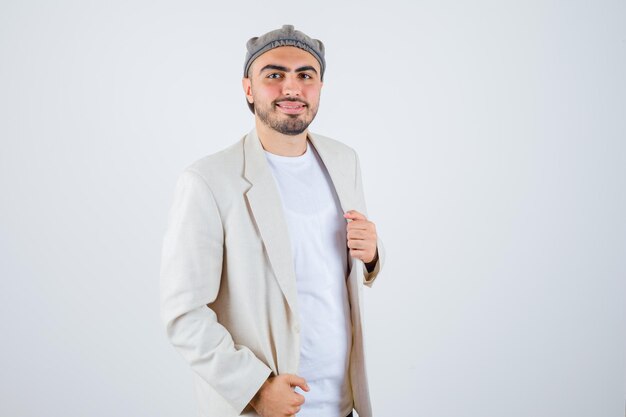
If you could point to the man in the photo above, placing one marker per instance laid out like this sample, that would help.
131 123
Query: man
266 249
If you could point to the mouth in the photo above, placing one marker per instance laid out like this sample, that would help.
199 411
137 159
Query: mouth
291 107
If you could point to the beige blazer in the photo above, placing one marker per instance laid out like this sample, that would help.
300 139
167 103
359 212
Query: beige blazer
228 287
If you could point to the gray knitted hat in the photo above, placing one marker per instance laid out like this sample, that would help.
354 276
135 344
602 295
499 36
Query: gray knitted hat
285 36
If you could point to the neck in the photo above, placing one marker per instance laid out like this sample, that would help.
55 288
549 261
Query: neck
278 143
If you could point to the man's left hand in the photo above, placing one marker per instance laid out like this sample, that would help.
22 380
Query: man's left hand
362 237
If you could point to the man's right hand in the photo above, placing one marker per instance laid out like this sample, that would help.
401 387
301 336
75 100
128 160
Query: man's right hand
277 398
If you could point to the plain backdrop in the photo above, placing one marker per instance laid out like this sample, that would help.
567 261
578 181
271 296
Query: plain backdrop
492 141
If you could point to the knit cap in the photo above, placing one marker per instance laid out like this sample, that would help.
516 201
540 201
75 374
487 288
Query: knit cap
285 36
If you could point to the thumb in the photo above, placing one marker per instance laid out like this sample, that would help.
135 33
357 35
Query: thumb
296 381
354 215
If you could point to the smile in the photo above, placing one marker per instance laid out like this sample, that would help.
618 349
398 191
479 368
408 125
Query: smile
290 107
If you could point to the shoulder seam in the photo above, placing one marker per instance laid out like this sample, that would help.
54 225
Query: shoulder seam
204 181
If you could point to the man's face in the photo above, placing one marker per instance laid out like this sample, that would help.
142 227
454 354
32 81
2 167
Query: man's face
284 84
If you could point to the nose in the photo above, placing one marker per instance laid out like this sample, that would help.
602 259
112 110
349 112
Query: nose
291 87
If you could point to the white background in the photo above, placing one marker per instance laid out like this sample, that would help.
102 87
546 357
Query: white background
491 136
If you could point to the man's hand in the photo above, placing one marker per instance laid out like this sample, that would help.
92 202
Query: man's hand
362 237
277 398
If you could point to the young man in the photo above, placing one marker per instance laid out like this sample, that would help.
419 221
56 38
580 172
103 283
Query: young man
266 249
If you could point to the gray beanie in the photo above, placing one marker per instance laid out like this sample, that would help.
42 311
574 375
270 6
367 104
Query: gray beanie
285 36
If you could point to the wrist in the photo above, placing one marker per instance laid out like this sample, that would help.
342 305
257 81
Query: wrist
255 400
370 265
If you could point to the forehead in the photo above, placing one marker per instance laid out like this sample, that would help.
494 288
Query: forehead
287 56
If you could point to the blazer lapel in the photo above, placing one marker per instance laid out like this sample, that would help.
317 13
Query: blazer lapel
266 205
342 175
341 172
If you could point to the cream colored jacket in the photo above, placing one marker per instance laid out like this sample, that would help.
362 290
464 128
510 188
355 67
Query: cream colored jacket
228 286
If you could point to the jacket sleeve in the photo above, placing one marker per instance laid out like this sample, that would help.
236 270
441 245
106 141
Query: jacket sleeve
369 277
191 268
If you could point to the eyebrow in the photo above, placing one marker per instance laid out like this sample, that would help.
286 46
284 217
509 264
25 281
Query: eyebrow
285 69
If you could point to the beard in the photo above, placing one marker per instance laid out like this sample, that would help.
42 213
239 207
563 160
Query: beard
287 124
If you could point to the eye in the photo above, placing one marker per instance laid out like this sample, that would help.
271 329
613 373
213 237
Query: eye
306 76
273 75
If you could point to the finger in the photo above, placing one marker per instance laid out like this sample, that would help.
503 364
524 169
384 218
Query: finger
356 225
296 381
360 225
358 234
360 254
361 243
357 244
354 253
354 215
298 399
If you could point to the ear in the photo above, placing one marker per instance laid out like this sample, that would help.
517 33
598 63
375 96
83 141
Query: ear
247 89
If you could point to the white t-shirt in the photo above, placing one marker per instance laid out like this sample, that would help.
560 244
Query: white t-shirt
317 230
